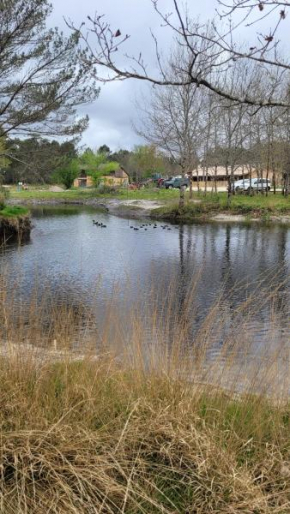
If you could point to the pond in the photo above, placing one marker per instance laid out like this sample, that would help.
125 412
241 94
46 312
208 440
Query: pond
81 262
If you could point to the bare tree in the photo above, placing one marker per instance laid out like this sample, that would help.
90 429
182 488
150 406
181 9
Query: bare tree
211 50
252 12
207 133
172 120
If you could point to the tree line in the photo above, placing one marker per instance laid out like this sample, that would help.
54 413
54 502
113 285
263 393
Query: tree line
43 161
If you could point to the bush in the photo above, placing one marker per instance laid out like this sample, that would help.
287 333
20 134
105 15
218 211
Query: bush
67 173
104 189
4 194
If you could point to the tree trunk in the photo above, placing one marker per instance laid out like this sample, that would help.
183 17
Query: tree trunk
182 197
251 191
229 185
190 185
262 183
182 193
286 184
206 177
197 179
267 174
243 172
232 180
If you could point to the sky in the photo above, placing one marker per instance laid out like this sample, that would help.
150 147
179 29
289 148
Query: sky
114 114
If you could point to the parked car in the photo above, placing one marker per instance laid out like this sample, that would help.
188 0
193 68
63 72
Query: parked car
167 180
254 184
177 182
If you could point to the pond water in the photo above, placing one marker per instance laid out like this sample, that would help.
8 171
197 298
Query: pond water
82 262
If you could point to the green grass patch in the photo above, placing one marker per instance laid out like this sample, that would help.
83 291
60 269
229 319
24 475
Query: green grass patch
153 194
83 194
71 194
191 210
261 204
13 211
202 206
243 204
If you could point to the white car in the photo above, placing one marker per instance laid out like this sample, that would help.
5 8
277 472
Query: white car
254 184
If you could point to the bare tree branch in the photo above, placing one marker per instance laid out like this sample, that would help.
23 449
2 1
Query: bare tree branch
210 53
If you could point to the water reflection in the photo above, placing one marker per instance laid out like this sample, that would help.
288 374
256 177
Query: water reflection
188 268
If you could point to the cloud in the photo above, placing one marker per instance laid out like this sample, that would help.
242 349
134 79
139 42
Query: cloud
114 112
111 117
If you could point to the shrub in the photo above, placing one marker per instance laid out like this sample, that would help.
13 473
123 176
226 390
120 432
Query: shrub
104 189
67 173
4 194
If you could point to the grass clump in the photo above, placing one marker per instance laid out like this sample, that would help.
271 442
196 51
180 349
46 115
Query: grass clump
10 211
204 206
91 436
136 417
190 211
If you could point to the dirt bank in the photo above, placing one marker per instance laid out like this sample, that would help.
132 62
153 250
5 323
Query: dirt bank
15 228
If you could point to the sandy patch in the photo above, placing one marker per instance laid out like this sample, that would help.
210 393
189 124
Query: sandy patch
56 189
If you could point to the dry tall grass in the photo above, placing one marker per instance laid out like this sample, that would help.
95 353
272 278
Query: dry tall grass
144 415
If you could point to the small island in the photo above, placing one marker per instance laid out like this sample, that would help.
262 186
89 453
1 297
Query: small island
14 223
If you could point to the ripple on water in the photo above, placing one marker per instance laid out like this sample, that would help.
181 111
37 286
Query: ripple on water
152 269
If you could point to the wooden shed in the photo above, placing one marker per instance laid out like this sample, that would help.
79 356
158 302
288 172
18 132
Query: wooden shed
220 174
83 180
118 177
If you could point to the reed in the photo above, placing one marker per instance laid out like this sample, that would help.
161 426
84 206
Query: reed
160 412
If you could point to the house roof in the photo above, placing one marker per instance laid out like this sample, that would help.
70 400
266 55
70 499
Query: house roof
220 171
118 173
121 173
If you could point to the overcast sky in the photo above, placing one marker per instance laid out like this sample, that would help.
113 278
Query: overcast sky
114 112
